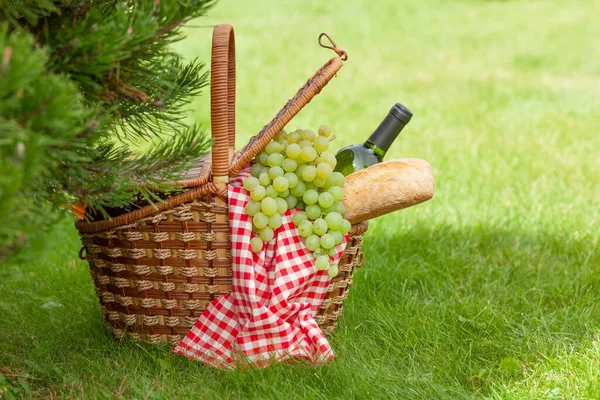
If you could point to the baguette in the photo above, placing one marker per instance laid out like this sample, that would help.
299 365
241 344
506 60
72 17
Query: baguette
386 187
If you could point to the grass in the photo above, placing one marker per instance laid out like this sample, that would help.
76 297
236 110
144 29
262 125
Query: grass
490 290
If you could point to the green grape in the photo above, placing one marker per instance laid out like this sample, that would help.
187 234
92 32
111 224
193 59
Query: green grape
289 165
307 134
329 183
293 151
260 220
310 197
322 262
324 170
258 193
298 217
266 234
321 144
305 228
319 182
333 270
292 179
313 211
280 184
282 205
275 159
320 226
325 200
256 169
319 251
262 158
327 241
308 154
281 135
332 252
309 173
275 221
337 235
299 190
274 172
324 130
313 242
334 220
264 179
337 193
250 182
256 244
268 206
285 193
273 148
293 138
327 210
311 186
271 192
328 158
346 226
339 208
300 171
305 143
252 207
300 163
339 178
291 201
300 206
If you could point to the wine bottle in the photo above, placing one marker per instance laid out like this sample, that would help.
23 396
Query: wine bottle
360 156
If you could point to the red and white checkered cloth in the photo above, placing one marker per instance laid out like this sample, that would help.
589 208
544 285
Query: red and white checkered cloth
269 315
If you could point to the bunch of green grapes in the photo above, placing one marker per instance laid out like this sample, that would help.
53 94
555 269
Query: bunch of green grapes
295 171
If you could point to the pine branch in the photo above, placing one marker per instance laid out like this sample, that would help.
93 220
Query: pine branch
82 82
163 111
130 74
26 11
37 111
117 175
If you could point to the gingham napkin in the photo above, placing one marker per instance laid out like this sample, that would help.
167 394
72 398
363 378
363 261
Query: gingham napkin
269 315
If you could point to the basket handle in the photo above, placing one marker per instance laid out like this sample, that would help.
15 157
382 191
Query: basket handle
222 100
303 96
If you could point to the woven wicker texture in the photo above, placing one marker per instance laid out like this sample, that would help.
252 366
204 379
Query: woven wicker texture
155 277
156 269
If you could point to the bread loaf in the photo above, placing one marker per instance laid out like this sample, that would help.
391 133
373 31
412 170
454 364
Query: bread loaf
386 187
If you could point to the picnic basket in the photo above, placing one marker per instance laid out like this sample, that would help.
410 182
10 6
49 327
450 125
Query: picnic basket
157 268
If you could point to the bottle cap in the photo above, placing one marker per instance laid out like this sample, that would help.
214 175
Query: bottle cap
390 127
402 113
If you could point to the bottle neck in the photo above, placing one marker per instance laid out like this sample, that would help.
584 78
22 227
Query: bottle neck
377 150
385 134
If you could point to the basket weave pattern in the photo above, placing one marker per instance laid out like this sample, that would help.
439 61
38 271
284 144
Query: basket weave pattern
158 268
156 276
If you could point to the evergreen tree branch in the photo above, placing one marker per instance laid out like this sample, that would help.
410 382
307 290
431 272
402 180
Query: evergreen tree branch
19 12
83 83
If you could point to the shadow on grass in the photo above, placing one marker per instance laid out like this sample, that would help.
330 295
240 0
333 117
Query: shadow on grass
477 307
434 312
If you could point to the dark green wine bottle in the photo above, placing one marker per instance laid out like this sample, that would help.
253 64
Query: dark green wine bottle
360 156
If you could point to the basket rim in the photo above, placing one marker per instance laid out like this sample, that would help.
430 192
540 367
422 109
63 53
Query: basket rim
168 204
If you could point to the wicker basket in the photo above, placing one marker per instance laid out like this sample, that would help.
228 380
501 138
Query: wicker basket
156 269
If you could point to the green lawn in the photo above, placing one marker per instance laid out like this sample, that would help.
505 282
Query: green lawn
490 290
